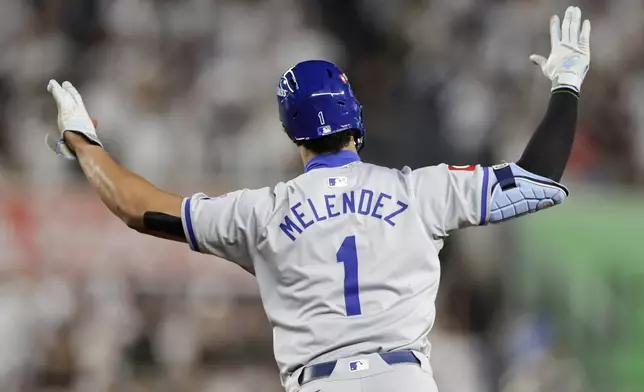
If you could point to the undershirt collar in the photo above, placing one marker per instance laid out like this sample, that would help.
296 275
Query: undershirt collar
340 158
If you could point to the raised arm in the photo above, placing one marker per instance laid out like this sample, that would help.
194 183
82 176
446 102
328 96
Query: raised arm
549 148
137 202
531 184
476 195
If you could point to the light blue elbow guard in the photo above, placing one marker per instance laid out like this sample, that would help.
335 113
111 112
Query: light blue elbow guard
517 192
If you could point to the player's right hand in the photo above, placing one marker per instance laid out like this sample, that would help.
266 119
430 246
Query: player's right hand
72 117
569 59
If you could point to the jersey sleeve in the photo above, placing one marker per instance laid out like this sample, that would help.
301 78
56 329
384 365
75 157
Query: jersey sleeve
226 226
452 197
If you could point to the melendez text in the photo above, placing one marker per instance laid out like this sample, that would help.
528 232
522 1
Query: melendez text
364 202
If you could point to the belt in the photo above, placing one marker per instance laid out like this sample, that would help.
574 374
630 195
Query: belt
322 370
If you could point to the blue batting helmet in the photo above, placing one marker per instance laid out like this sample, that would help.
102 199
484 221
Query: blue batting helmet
316 100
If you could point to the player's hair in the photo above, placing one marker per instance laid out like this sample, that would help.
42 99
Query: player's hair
329 144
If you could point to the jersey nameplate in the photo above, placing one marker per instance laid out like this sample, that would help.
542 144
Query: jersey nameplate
364 202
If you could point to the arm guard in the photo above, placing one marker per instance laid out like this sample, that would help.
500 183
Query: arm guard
516 192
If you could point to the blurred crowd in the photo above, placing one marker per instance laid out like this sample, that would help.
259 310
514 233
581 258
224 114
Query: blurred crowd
118 332
183 91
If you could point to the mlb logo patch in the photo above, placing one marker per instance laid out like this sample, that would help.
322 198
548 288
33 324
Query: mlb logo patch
356 366
337 182
344 78
324 130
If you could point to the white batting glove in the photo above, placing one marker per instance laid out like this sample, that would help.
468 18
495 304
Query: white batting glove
72 117
569 60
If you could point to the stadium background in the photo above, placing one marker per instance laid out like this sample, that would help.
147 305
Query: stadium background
184 92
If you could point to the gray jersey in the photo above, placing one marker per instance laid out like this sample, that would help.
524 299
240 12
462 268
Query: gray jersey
346 258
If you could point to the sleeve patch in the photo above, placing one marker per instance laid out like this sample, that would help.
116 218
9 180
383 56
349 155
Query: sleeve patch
462 167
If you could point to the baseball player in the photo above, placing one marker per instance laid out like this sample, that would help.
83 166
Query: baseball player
346 254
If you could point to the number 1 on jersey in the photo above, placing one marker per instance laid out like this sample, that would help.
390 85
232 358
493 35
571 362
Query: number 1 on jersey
348 255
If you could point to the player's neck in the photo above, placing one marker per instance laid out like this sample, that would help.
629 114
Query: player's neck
308 155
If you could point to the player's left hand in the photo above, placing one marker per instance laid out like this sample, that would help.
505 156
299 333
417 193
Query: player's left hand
569 59
72 117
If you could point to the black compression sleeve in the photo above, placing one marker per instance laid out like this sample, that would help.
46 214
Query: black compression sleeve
549 148
163 223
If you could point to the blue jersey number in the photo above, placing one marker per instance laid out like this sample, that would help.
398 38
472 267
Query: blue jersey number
348 255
